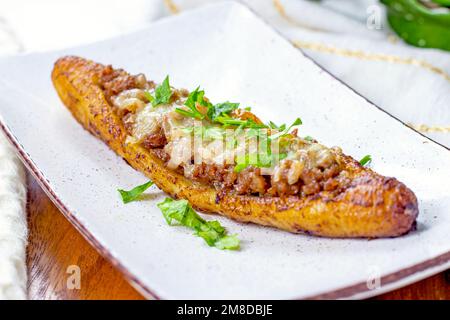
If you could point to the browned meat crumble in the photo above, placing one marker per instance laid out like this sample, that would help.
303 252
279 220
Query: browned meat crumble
250 181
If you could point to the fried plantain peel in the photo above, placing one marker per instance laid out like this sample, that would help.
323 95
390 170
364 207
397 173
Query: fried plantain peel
350 202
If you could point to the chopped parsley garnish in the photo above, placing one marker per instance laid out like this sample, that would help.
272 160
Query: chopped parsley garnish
366 160
218 113
133 194
263 160
206 132
272 125
149 96
211 231
194 98
309 138
162 93
242 162
284 131
221 109
193 114
228 121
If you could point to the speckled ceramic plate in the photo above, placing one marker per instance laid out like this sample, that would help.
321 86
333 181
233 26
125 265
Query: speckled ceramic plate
233 55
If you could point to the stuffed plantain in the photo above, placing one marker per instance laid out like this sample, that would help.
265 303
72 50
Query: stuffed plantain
295 184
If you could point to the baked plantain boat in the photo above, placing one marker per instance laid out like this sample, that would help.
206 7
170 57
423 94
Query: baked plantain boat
300 185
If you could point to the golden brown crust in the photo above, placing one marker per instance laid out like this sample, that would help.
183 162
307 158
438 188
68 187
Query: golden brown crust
369 206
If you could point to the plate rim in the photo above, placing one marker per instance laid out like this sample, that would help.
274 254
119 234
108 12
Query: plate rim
408 275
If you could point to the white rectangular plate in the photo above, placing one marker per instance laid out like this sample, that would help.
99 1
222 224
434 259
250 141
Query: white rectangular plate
236 56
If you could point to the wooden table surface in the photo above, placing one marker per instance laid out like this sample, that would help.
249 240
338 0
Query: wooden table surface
54 245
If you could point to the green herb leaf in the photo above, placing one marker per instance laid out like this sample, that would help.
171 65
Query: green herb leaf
264 160
133 194
365 160
187 113
196 96
309 138
284 131
211 231
219 113
242 162
230 242
213 133
149 96
221 109
162 93
206 132
272 125
228 121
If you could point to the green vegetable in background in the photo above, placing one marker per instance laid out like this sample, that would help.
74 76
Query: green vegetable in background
419 25
442 2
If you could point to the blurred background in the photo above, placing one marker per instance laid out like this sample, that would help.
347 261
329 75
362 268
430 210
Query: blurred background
48 24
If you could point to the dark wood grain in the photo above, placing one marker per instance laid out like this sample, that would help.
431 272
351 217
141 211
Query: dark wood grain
433 288
54 245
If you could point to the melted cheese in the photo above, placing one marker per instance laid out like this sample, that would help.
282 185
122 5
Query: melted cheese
301 154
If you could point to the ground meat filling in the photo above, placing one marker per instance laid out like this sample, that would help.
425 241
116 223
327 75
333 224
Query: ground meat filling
114 81
290 178
155 140
248 181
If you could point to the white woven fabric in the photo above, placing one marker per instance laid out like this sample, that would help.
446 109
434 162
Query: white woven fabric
13 224
13 221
